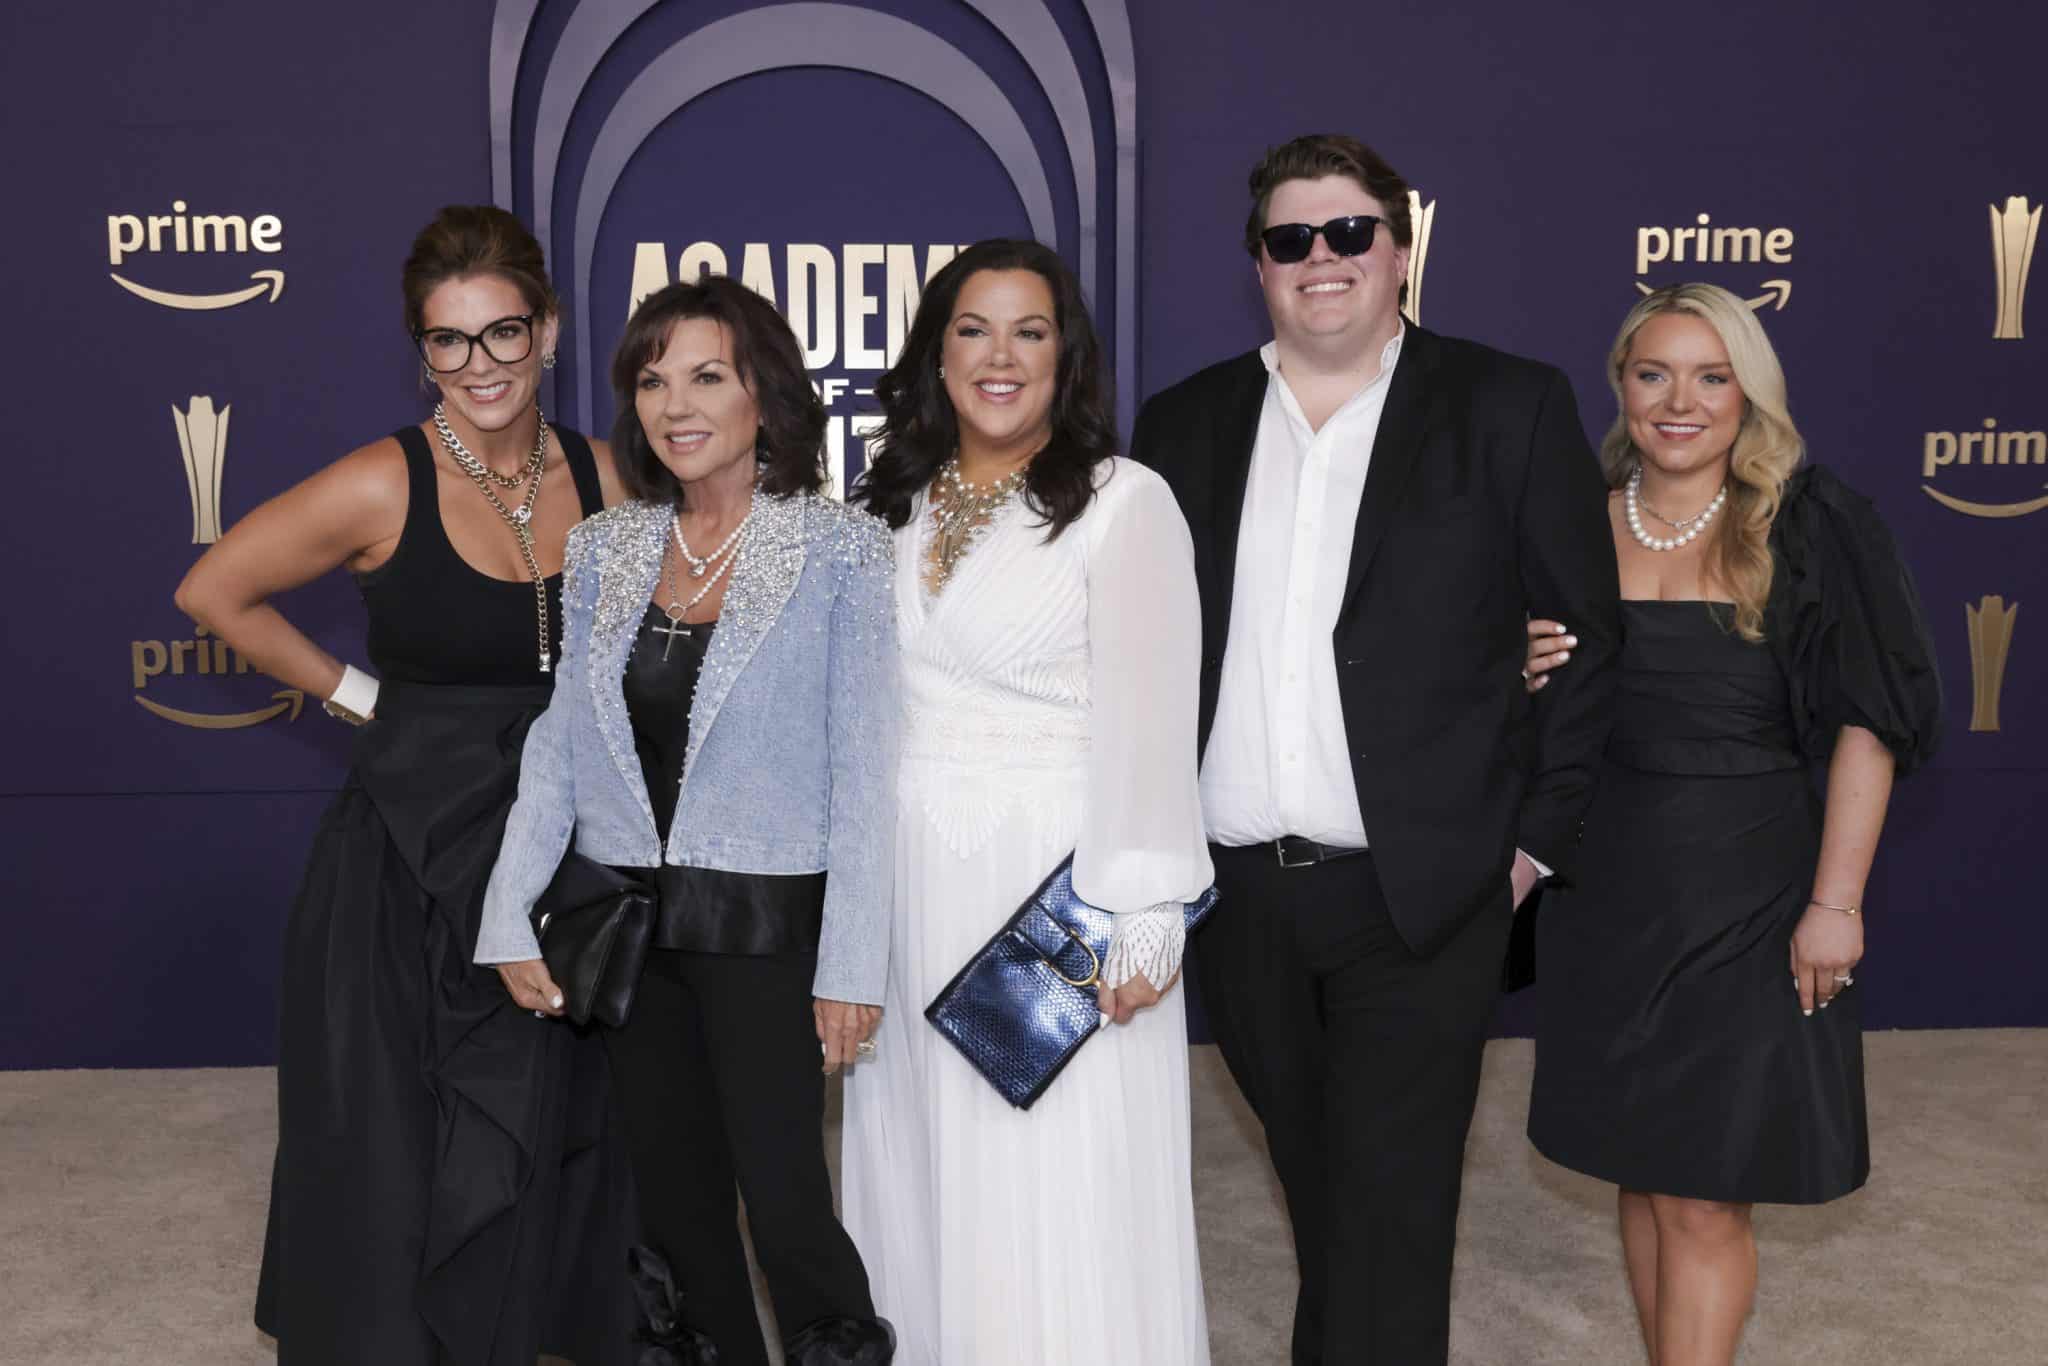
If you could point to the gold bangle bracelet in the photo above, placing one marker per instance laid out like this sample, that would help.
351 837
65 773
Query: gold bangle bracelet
1829 906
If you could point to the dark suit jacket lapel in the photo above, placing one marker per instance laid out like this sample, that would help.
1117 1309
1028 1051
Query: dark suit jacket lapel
1237 412
1396 449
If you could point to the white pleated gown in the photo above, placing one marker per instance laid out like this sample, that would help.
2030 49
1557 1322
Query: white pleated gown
1051 696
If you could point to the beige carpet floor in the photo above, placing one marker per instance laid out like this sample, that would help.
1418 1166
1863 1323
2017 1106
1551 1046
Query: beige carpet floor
131 1216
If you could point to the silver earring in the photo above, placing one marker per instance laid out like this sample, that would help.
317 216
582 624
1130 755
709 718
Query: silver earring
547 360
942 372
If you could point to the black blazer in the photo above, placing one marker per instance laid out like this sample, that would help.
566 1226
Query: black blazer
1483 506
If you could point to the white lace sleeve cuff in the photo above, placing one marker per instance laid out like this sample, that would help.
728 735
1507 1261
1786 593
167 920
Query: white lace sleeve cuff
1150 942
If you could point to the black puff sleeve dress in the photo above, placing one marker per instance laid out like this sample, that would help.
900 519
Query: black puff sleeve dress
1671 1054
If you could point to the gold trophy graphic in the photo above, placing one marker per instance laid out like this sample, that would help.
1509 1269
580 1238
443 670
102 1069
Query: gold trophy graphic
1990 638
2013 230
203 437
1420 217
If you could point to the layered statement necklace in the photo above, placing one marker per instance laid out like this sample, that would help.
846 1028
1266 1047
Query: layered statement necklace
960 510
707 569
1688 529
520 518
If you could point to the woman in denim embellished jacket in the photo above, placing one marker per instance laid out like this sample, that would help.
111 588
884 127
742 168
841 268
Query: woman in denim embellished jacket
725 719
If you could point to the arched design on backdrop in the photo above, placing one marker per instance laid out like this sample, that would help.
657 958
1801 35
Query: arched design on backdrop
593 28
839 35
1032 31
773 39
511 21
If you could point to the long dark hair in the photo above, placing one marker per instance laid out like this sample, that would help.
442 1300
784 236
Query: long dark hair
790 448
920 429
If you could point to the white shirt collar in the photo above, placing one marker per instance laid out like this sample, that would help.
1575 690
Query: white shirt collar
1270 354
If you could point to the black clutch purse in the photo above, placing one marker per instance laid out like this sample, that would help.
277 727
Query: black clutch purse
1023 1006
594 923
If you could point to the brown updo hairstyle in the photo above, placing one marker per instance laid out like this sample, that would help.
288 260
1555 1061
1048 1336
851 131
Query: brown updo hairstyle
789 448
475 239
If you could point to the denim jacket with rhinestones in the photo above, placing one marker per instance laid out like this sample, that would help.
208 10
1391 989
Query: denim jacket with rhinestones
793 729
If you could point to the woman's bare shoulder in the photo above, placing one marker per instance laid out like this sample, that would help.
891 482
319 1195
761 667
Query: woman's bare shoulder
608 483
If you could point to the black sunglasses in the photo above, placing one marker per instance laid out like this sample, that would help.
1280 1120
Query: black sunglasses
1287 243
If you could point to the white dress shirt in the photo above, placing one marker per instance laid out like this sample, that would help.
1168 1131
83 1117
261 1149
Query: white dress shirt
1277 762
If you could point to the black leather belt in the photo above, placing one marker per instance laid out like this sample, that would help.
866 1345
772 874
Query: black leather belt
1296 852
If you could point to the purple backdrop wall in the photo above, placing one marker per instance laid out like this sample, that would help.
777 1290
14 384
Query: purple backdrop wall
157 809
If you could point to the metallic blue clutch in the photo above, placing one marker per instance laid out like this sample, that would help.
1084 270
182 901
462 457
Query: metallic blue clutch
1023 1005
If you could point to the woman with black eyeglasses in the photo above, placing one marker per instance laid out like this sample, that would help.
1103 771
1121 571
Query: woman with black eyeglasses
446 1192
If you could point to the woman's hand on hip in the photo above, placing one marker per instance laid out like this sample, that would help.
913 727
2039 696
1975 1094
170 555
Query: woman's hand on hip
842 1027
531 987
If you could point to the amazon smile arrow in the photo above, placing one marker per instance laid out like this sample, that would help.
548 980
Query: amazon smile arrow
268 281
1777 293
1986 509
289 699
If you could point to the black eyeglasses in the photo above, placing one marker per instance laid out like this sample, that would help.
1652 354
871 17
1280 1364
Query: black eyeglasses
1287 243
447 349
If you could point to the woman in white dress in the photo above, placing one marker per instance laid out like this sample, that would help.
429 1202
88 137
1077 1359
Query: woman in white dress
1046 606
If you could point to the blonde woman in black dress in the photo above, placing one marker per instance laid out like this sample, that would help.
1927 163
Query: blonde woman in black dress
1700 1040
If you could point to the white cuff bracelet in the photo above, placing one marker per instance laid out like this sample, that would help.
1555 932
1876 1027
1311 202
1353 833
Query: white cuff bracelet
355 697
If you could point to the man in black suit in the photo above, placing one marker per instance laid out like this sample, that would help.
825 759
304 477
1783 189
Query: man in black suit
1376 511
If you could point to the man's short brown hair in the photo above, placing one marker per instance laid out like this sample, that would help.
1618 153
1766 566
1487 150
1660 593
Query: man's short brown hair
1326 154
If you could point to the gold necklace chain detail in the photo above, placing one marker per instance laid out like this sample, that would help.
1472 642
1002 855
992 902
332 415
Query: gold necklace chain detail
960 511
520 519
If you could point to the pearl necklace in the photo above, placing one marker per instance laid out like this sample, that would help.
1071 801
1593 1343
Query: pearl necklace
715 564
700 567
1688 530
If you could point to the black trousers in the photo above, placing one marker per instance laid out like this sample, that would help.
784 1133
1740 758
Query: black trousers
1361 1059
720 1082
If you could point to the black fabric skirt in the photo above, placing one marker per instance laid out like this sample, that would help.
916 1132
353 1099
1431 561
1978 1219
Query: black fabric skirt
1671 1055
450 1188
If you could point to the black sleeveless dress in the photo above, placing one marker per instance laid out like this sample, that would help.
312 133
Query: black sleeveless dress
1671 1054
448 1189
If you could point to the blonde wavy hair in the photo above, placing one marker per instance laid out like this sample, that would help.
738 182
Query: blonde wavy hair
1767 446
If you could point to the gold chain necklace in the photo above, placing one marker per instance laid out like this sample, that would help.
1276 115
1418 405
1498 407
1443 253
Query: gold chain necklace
520 519
959 511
